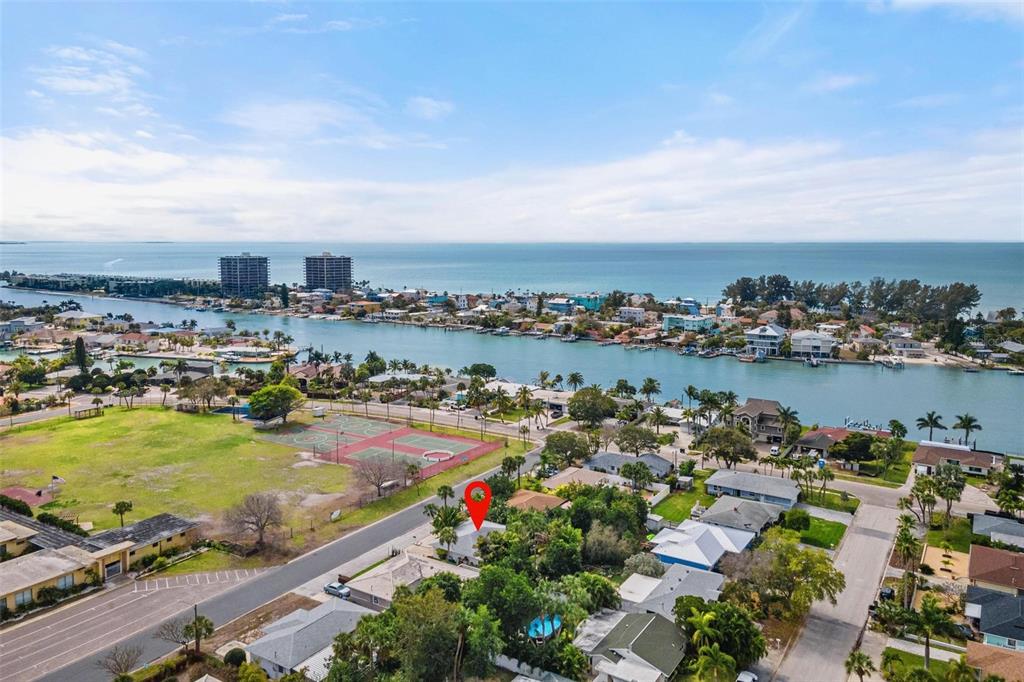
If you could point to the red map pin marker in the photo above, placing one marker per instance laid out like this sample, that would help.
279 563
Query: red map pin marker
478 507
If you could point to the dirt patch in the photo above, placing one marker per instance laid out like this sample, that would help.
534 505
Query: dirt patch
314 500
304 464
247 629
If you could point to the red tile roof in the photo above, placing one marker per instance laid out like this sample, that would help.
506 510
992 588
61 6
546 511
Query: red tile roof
996 566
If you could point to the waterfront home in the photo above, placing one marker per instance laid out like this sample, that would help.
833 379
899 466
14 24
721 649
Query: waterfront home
19 325
808 344
631 315
734 512
688 323
137 341
996 569
463 550
76 318
999 529
611 462
765 340
301 639
644 594
561 305
591 302
746 485
761 418
631 647
698 545
905 345
998 616
375 588
1012 347
930 454
394 314
364 307
821 440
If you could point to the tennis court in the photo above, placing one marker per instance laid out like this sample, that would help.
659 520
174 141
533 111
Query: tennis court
347 423
423 442
308 437
375 452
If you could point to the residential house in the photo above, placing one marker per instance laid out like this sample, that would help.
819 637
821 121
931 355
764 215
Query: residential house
364 307
808 344
996 569
905 345
688 323
733 512
463 550
299 640
698 545
822 439
591 302
631 315
644 594
612 462
631 647
999 529
534 501
761 417
139 341
76 318
995 662
998 616
930 454
783 492
765 340
375 589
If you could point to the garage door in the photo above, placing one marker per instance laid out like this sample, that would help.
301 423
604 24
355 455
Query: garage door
112 569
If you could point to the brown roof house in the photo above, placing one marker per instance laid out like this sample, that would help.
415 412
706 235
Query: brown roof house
761 417
930 454
996 569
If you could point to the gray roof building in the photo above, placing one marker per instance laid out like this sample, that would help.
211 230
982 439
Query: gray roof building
1000 529
999 614
302 634
611 462
47 536
464 547
783 491
733 512
645 647
145 532
644 594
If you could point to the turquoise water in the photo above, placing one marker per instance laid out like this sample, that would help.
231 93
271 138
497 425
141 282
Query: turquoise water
825 395
698 270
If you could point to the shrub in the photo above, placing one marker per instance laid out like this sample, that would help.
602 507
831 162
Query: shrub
645 563
927 570
797 519
15 505
148 560
687 467
160 564
57 522
235 657
49 595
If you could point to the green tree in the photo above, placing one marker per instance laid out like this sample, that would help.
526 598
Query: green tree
930 421
283 292
121 508
859 663
729 445
650 387
484 641
949 486
198 629
930 620
80 355
275 401
638 474
567 447
590 406
968 424
574 380
636 439
700 626
714 665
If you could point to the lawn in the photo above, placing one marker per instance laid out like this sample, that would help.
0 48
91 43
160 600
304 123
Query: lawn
211 560
894 477
676 507
910 661
832 500
822 533
194 465
959 535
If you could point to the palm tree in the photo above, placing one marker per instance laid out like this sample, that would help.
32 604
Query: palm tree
714 665
543 378
960 671
700 627
574 380
232 401
658 418
890 663
787 417
967 423
825 475
692 393
931 421
445 492
651 386
931 620
859 663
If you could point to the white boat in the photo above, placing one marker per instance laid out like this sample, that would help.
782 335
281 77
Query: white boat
1016 372
569 338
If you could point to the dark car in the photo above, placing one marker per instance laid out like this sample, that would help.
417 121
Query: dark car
965 631
887 594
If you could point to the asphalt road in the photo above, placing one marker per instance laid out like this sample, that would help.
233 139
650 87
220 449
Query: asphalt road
240 600
831 631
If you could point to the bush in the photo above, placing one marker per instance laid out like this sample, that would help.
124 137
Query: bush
687 467
57 522
14 505
160 564
49 595
927 570
797 519
645 563
235 657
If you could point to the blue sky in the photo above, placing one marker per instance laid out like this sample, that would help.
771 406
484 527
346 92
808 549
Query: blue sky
513 122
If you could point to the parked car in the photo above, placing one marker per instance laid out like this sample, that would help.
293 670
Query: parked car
887 594
774 450
337 590
965 631
746 676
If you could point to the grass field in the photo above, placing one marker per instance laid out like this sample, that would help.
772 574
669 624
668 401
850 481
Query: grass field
834 501
822 533
959 535
894 477
195 465
910 661
210 560
676 507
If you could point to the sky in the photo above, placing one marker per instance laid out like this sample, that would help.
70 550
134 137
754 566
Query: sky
525 122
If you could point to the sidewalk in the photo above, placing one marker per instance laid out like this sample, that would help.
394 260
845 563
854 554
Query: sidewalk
915 648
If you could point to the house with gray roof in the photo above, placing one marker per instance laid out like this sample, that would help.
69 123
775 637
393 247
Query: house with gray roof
611 462
749 486
299 640
1007 531
644 594
631 647
998 615
733 512
463 550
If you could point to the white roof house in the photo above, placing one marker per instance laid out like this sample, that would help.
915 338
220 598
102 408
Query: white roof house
463 550
698 545
644 594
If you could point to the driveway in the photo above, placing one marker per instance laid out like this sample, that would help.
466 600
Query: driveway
831 631
43 644
225 606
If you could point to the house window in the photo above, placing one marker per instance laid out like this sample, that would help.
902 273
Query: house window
66 581
375 600
155 544
23 597
1012 643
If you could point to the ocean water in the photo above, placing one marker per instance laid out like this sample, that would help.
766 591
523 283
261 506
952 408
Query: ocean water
825 395
665 270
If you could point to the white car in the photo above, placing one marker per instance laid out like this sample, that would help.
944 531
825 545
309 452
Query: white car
774 450
746 676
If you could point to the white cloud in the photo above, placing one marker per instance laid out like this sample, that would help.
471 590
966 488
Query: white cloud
990 10
107 74
428 108
835 82
299 118
719 99
695 189
769 32
288 18
933 101
144 134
